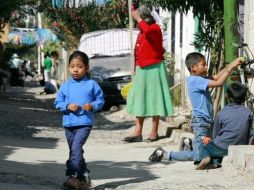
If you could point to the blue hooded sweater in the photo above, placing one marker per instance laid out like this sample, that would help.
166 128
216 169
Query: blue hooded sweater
79 92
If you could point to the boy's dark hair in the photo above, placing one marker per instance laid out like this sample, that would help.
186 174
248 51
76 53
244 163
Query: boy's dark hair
192 59
237 93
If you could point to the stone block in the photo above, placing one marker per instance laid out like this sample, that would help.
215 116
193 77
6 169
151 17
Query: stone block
241 158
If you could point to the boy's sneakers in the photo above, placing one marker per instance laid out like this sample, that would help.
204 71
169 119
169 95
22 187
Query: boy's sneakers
85 181
72 182
185 144
157 155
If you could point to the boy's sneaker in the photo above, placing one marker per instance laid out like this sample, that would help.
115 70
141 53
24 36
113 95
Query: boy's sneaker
85 181
188 144
185 144
157 155
72 182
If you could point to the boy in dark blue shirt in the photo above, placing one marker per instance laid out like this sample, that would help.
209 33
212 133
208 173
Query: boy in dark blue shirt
232 126
202 106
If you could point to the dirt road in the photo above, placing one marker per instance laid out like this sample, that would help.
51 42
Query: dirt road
33 152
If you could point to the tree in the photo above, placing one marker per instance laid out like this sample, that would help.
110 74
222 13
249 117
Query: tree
71 23
211 29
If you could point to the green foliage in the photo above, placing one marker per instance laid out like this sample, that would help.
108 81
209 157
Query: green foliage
176 95
209 13
71 23
51 47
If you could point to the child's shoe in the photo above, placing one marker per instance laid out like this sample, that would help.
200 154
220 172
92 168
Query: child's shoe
85 181
72 182
187 144
157 155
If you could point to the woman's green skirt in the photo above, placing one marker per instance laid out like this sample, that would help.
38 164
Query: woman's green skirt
149 94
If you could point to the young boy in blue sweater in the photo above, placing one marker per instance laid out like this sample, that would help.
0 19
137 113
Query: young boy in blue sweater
198 84
78 99
232 126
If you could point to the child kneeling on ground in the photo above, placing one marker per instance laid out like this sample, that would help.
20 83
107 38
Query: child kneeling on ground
198 84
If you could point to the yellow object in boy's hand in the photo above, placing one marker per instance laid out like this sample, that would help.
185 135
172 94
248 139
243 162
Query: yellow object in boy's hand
242 59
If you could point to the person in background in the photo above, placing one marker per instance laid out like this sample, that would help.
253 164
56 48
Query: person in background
49 87
149 95
78 99
14 65
47 68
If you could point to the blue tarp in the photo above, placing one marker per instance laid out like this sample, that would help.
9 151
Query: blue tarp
31 37
74 3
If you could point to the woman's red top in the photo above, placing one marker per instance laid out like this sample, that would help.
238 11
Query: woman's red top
149 49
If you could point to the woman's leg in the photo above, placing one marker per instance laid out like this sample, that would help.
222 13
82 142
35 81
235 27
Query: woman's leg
136 136
154 131
138 126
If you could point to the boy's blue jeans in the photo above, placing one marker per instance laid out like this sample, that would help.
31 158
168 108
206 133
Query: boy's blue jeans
76 138
200 128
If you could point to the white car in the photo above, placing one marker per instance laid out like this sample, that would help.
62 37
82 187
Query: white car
110 61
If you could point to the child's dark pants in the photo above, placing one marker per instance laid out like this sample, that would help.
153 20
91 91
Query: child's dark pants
76 138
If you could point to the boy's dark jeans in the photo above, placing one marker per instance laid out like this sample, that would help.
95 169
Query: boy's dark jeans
76 138
213 151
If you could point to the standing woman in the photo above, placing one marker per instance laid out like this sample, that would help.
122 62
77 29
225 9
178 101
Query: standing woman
149 95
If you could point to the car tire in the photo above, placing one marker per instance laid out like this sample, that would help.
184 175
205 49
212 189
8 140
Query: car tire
106 106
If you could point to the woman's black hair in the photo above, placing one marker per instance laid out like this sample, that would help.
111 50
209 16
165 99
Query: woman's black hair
82 57
237 93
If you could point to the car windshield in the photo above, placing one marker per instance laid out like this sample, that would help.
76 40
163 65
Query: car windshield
109 51
111 66
115 42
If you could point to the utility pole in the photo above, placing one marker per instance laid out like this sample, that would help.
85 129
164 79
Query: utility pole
231 35
131 37
182 63
40 47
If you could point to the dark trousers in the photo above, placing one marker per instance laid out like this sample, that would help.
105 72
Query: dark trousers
76 138
213 151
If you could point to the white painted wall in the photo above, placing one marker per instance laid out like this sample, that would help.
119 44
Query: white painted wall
188 38
249 29
249 23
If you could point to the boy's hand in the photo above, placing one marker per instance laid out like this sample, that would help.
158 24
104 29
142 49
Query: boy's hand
206 140
237 61
87 107
242 59
72 107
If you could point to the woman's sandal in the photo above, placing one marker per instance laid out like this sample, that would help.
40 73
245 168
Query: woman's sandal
152 139
133 139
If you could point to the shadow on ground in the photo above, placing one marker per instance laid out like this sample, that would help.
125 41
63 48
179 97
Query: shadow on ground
52 174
